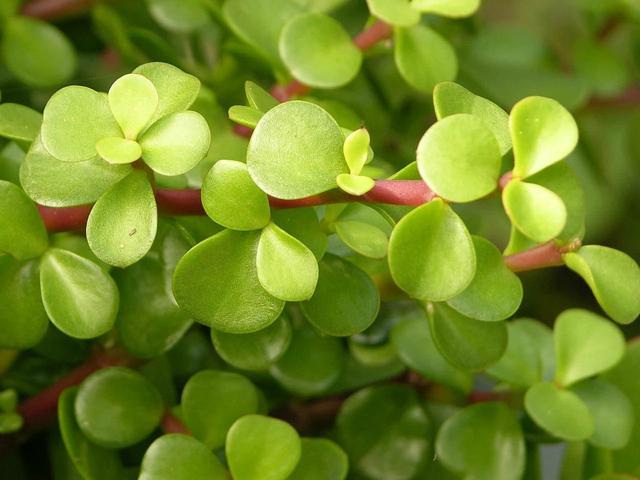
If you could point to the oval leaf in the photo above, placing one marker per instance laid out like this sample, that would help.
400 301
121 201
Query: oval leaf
447 8
321 459
133 100
19 123
118 150
394 12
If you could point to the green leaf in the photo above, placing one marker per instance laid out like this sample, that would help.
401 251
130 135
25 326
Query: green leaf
354 184
447 8
259 98
586 344
74 120
217 283
286 268
424 58
22 232
180 457
614 279
345 301
23 320
611 410
233 396
536 211
467 343
90 460
356 150
385 432
495 293
176 89
80 298
254 351
176 143
415 346
296 151
37 52
483 441
180 16
460 168
450 98
305 374
363 238
543 133
321 459
122 224
303 224
558 411
54 183
133 100
117 407
19 123
431 254
318 51
394 12
232 199
118 150
246 453
247 116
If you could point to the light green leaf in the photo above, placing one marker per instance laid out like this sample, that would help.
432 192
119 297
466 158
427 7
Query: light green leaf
558 411
286 268
431 255
259 98
296 151
460 168
318 51
495 293
217 283
247 116
536 211
19 123
483 441
22 232
345 301
424 58
122 224
543 133
176 143
180 16
586 344
249 459
118 150
356 150
74 120
133 100
394 12
303 224
614 279
321 459
447 8
363 238
79 297
232 199
355 184
450 98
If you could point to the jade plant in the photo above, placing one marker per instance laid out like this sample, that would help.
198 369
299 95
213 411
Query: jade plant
270 240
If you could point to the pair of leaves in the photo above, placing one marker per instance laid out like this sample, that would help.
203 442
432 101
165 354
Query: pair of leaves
356 153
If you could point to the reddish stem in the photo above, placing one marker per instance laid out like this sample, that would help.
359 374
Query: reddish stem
628 98
53 9
482 397
64 219
542 256
172 424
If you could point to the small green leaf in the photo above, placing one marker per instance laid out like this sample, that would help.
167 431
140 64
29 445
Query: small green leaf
495 293
117 150
117 407
180 16
122 224
424 58
176 143
74 120
467 343
233 396
19 123
22 232
296 151
586 344
483 441
259 98
356 150
450 98
318 51
543 133
355 184
247 116
303 224
217 283
558 411
232 199
249 459
286 268
321 459
133 100
536 211
180 457
363 238
431 255
460 168
447 8
614 279
79 297
394 12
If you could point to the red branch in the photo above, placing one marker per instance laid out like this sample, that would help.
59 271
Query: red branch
54 9
172 424
542 256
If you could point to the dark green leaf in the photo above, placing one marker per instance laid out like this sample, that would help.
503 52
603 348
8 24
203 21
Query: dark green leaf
321 459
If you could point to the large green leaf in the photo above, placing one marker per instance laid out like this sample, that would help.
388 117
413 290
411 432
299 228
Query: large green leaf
431 254
447 8
296 151
394 12
19 123
321 459
133 100
217 282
